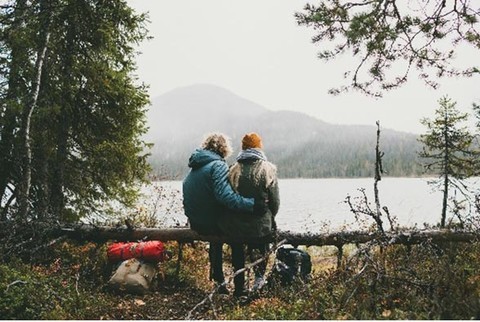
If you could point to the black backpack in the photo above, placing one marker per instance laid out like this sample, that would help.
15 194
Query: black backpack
291 264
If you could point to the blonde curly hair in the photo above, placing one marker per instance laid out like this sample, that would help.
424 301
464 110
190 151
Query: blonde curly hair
218 143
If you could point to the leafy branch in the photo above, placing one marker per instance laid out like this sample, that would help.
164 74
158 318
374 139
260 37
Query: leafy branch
390 38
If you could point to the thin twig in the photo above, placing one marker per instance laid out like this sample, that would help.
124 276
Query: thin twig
214 310
15 283
51 243
355 289
77 278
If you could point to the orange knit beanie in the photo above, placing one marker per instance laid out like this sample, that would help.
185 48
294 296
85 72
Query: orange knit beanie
251 140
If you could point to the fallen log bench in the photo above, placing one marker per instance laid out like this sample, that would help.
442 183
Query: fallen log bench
183 236
338 239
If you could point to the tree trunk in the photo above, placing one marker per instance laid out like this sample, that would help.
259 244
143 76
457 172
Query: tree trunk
446 171
43 187
13 95
24 184
58 185
25 148
7 167
378 177
445 202
186 235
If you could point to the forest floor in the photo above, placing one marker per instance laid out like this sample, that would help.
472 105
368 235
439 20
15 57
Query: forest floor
423 282
174 302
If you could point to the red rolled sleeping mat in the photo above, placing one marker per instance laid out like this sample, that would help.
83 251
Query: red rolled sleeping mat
153 251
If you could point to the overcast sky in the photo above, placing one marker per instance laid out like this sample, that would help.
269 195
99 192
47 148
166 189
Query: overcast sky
256 50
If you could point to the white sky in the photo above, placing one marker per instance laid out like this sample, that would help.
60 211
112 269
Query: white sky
256 50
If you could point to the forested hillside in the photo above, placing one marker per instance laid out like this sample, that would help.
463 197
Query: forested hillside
300 145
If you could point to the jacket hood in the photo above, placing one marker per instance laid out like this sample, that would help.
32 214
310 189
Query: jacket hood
201 157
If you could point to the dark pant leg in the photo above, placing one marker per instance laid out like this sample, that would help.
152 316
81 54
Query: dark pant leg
215 254
255 252
238 261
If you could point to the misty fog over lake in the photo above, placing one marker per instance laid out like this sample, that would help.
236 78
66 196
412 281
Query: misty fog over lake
317 205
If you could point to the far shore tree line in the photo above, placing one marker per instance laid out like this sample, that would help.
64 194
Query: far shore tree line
72 112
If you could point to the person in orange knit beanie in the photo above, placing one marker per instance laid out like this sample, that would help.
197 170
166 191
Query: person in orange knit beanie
251 176
252 141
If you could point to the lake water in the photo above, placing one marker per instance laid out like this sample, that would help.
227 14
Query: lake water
317 205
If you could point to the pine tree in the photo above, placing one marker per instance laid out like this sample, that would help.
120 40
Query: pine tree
447 150
86 127
391 39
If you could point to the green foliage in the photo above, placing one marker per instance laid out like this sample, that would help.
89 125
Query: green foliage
61 288
418 282
426 281
290 303
448 149
20 298
392 38
348 156
195 256
88 261
87 126
70 283
447 145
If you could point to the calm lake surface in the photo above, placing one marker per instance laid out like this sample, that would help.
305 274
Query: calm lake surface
317 205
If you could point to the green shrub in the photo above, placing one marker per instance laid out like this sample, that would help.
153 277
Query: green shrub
398 282
67 285
195 267
28 293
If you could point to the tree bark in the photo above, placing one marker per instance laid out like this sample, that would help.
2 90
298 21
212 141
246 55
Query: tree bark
378 177
446 171
26 173
58 185
14 93
186 235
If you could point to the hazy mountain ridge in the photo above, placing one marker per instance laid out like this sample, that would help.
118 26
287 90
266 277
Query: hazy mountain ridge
301 146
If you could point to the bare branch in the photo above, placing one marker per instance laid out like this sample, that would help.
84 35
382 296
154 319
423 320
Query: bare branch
15 283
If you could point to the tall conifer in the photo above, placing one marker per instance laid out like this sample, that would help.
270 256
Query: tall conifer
447 150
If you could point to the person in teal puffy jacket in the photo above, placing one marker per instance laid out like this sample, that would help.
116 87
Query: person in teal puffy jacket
207 194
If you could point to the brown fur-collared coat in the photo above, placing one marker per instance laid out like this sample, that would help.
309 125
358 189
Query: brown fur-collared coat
252 179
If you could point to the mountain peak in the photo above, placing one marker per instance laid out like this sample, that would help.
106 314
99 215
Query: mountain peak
201 99
300 145
202 88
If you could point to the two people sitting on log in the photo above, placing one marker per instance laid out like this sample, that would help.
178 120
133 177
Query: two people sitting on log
214 208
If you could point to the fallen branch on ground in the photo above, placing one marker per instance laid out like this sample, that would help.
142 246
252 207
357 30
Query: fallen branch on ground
15 283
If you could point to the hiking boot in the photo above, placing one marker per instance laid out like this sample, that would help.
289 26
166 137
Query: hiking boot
222 289
258 283
240 293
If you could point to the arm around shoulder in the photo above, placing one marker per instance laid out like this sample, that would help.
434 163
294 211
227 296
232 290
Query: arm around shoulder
224 192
